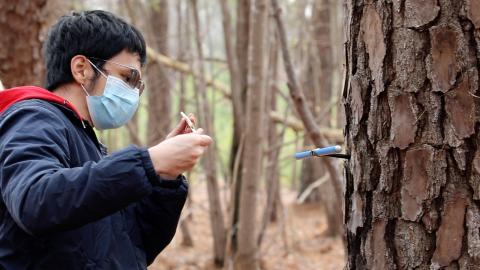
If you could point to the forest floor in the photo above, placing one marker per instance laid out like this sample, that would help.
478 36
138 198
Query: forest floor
298 243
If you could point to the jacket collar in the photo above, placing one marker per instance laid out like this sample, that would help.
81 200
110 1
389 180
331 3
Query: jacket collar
13 95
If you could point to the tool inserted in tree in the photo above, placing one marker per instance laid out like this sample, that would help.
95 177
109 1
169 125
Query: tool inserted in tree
330 151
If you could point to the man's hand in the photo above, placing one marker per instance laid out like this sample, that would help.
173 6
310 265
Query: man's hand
182 127
178 154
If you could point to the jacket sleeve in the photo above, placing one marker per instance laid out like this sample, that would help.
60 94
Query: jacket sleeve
158 214
40 189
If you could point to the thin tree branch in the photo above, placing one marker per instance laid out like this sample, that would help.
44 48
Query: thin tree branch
334 135
317 183
186 69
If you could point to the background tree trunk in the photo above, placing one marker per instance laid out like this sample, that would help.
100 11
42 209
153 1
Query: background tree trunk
271 172
238 103
24 27
317 90
130 9
236 85
210 159
324 45
246 255
159 98
239 98
301 105
312 168
181 25
413 179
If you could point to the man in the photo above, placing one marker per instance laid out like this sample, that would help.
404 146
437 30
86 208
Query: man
65 203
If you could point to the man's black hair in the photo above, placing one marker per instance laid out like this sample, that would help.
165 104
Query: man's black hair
94 33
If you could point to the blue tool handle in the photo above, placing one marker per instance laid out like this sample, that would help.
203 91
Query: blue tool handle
327 150
319 152
301 155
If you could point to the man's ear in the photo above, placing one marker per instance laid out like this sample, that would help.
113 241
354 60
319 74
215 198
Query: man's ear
81 69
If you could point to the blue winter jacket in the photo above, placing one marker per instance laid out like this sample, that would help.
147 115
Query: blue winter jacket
65 203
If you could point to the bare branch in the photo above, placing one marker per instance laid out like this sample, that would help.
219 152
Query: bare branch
301 199
332 134
186 69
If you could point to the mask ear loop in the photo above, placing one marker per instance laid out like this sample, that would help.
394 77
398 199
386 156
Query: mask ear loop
103 74
85 90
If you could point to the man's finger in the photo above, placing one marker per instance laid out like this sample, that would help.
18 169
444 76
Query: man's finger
180 127
205 140
182 124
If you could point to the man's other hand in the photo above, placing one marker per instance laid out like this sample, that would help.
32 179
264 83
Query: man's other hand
179 153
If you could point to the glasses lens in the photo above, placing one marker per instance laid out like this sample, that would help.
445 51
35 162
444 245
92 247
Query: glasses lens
136 82
134 78
133 81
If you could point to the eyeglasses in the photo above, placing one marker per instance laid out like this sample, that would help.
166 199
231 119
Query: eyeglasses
134 80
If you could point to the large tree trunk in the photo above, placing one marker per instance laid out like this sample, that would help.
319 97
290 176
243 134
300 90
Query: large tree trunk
23 28
210 159
413 180
159 98
246 255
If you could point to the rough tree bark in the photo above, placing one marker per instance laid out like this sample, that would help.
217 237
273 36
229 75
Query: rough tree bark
412 107
23 28
246 255
210 160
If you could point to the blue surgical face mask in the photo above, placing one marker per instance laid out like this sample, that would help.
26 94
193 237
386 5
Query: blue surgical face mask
116 106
